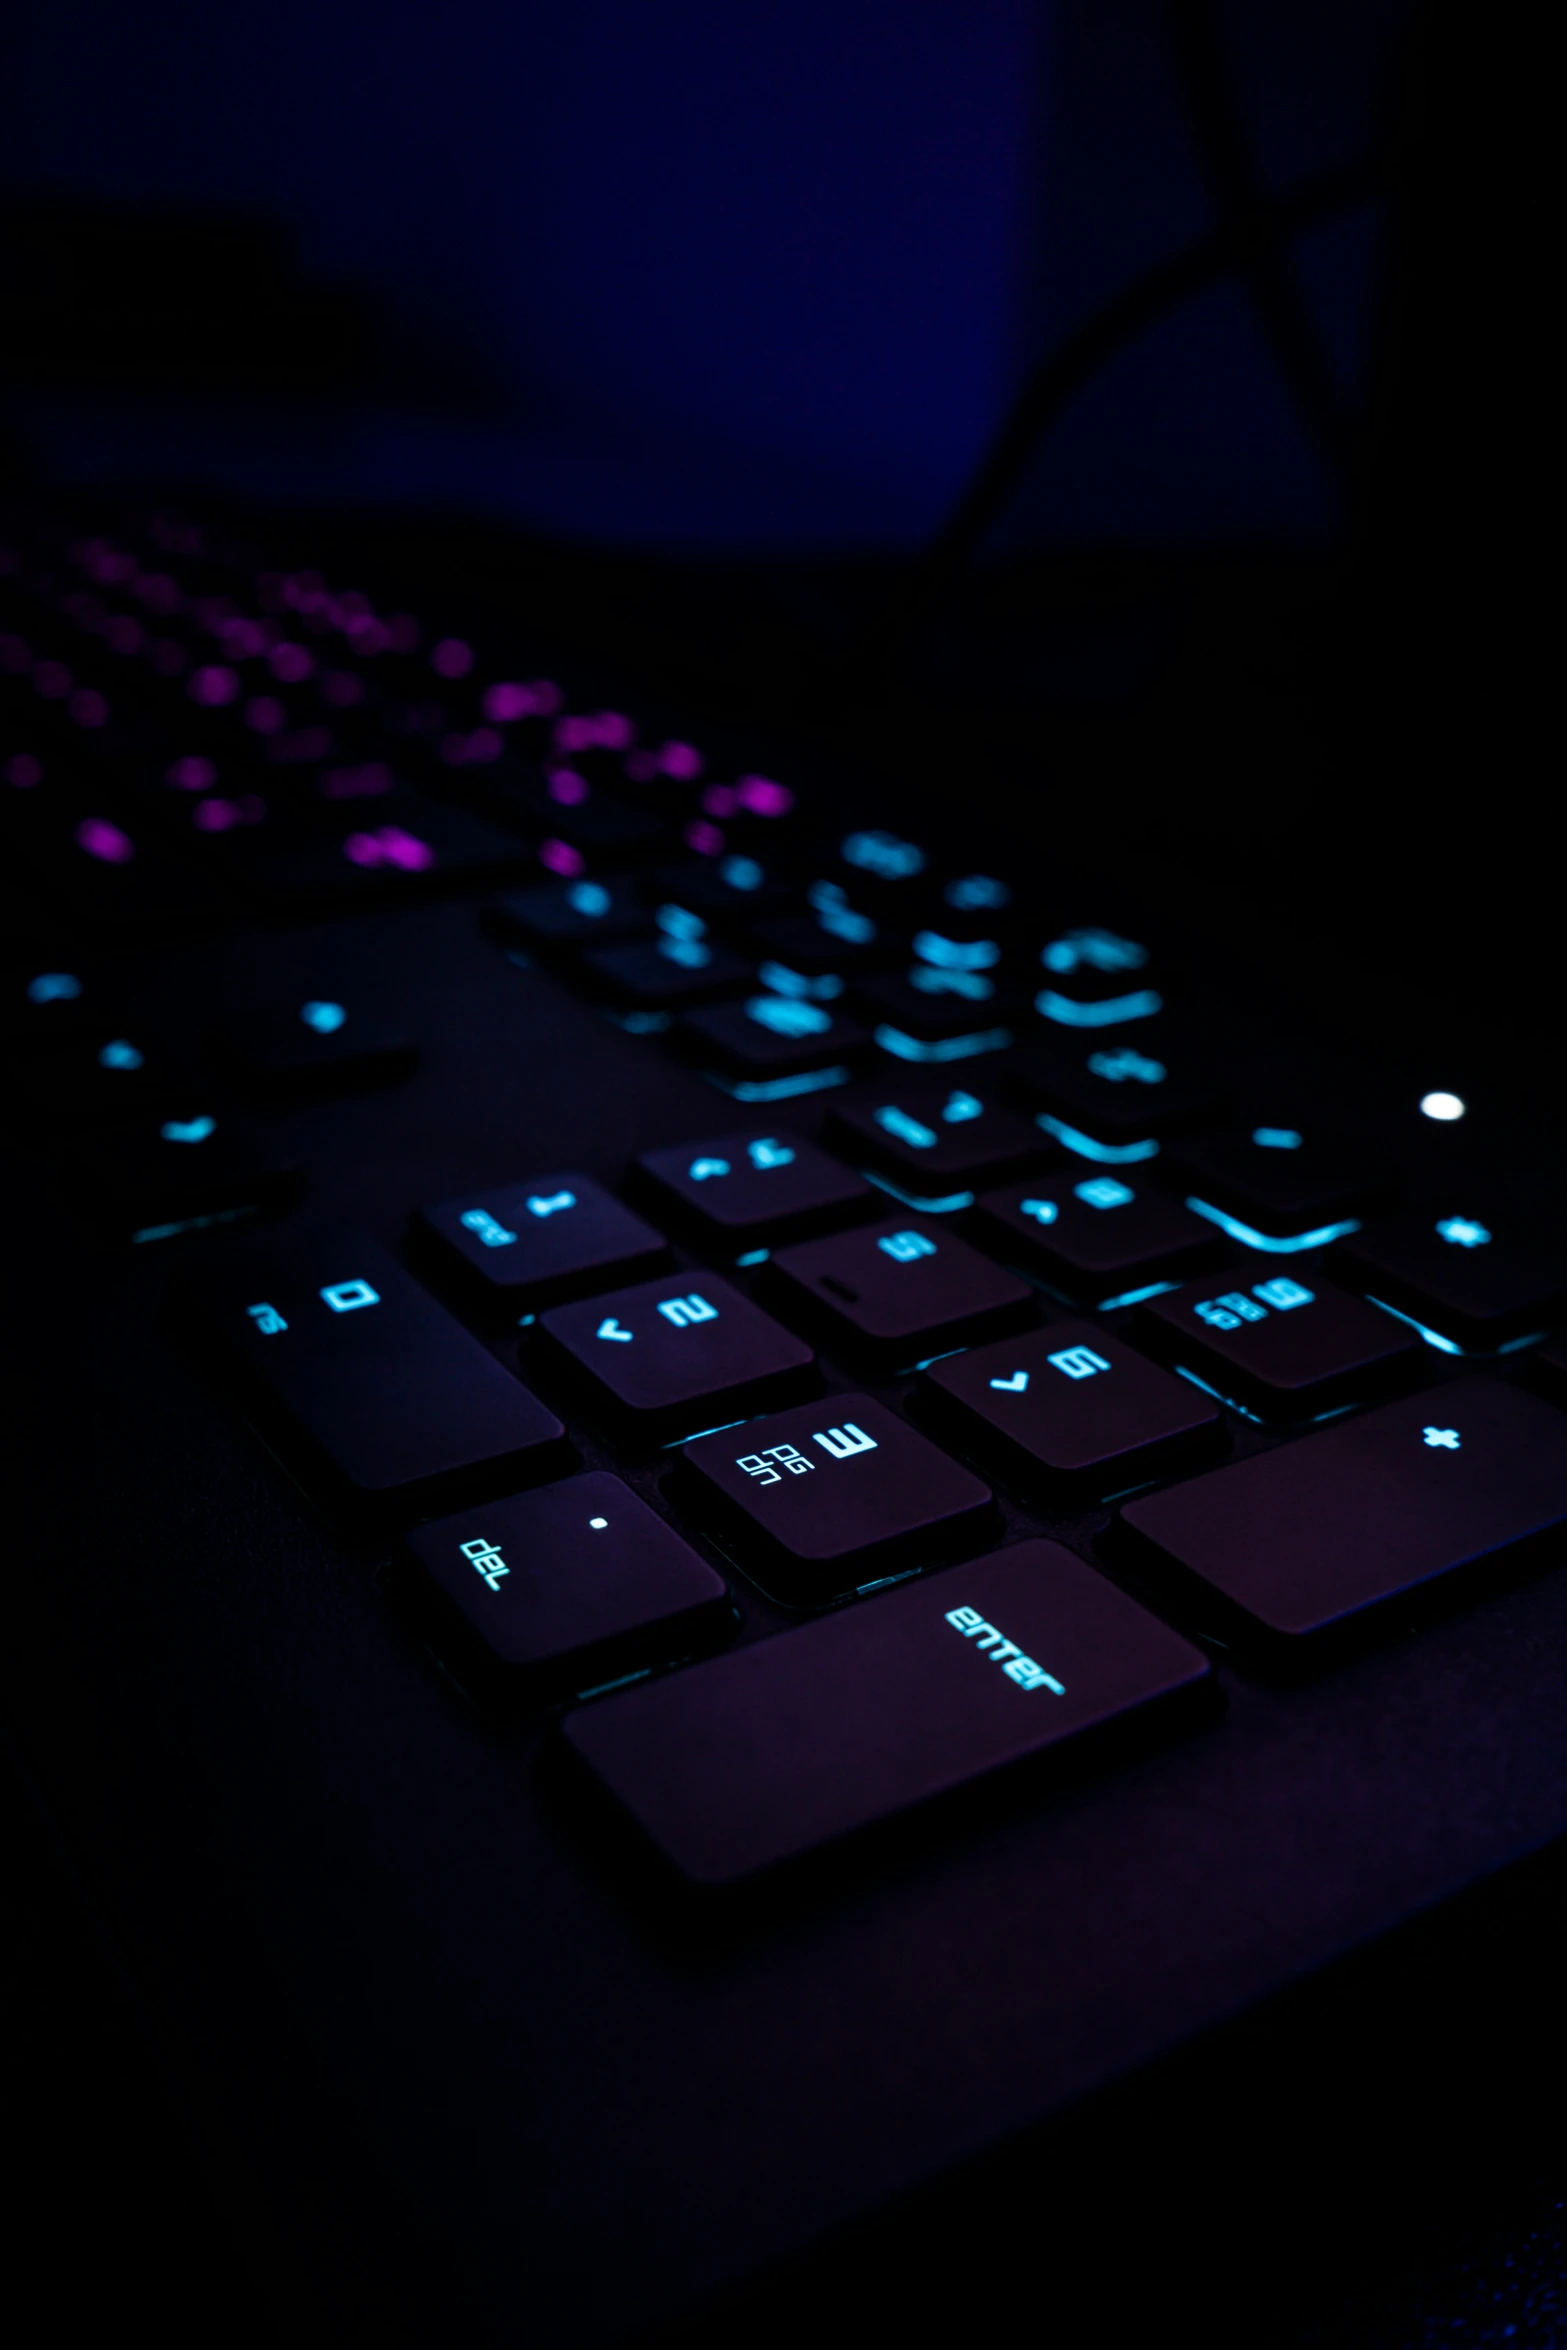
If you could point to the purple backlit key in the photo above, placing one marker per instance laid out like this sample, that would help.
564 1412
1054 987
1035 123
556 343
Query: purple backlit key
777 1750
1303 1539
392 1401
535 1243
902 1288
757 1186
1072 1405
680 1353
1285 1346
570 1585
827 1496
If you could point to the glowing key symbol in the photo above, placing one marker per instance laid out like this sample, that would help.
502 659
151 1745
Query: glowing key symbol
707 1170
188 1129
119 1055
598 1524
904 1247
326 1019
53 987
1463 1232
487 1560
960 1107
843 1443
765 1153
1103 1191
1078 1362
1016 1385
1441 1439
489 1230
610 1328
267 1319
683 1311
553 1204
1043 1211
1276 1138
1117 1066
905 1129
346 1297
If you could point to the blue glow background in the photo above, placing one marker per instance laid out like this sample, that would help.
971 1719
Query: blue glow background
720 275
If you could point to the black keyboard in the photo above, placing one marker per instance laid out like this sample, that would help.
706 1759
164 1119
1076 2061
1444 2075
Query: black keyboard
728 1503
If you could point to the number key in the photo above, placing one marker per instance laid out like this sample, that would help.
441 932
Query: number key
687 1349
534 1243
902 1287
1073 1404
1280 1347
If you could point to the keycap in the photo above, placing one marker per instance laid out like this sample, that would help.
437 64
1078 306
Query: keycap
764 1042
1310 1536
316 1045
192 1167
923 1016
833 1494
1073 1405
1093 978
900 1288
680 1353
806 948
725 890
569 1586
776 1750
535 1243
1459 1275
1100 1237
1277 1182
753 1188
126 1073
667 972
936 1135
398 848
391 1401
1284 1347
562 915
1117 1091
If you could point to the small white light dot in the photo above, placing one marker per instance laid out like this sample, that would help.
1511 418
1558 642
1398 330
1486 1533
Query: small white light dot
598 1522
1442 1106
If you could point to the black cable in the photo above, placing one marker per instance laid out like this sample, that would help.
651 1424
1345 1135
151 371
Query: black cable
1218 132
1242 243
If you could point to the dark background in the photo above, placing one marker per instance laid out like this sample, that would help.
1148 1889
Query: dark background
683 329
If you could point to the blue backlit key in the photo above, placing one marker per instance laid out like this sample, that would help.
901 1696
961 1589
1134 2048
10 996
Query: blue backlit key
1277 1181
387 1400
533 1243
1281 1345
678 1354
937 1135
558 917
571 1585
830 1495
1099 1236
765 1042
781 1748
318 1044
1458 1275
1091 979
752 1188
1304 1539
902 1288
667 972
1072 1405
923 1016
1118 1092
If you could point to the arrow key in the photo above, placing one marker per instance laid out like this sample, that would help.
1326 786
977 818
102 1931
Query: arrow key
676 1355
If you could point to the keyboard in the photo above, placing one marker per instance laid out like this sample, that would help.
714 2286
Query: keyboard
732 1501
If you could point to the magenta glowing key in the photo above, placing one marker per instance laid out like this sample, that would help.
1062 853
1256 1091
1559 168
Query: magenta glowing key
105 841
213 685
221 815
23 772
763 797
88 708
706 839
503 704
290 663
567 788
600 730
451 657
390 846
192 775
558 856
